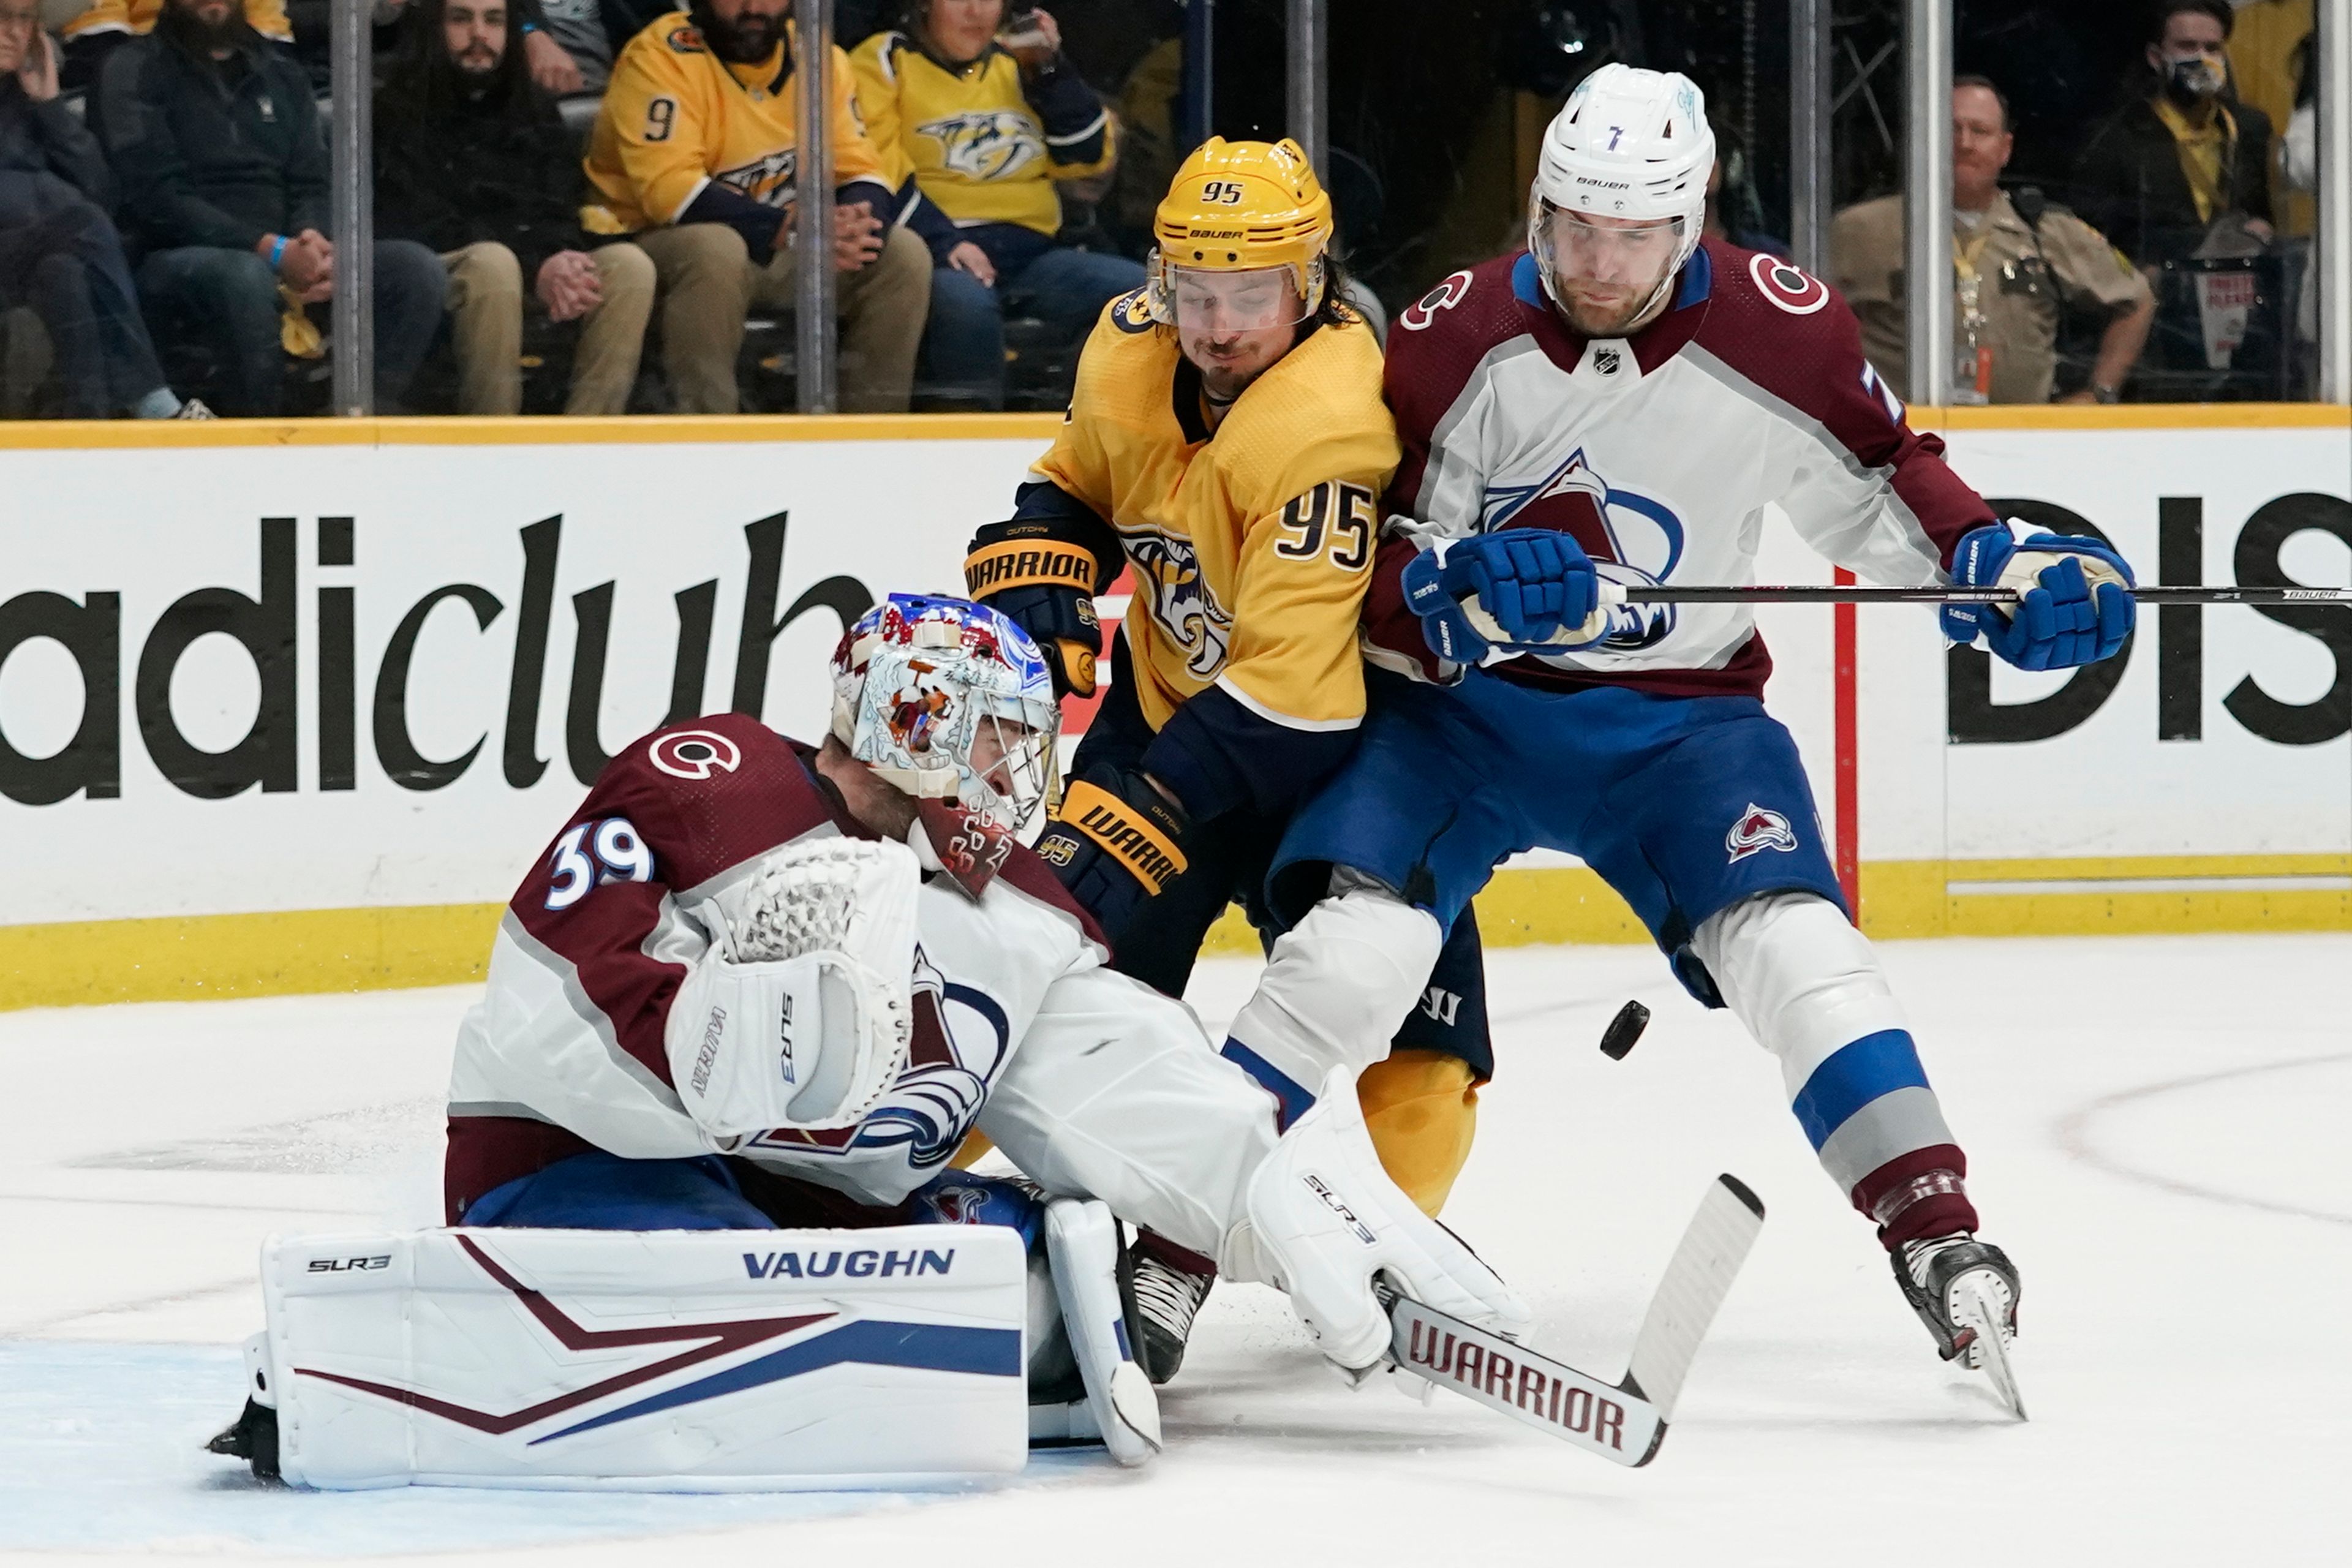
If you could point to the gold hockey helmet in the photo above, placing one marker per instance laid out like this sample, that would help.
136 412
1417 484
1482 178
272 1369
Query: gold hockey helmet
1235 212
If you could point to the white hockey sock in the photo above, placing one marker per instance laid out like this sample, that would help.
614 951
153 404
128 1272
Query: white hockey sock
1336 988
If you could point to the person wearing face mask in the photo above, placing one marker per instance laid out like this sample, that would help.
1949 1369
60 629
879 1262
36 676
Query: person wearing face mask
2183 169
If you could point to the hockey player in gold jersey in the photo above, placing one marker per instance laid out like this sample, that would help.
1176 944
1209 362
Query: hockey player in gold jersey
1228 445
695 155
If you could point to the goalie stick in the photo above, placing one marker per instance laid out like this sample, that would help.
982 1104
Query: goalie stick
1624 1421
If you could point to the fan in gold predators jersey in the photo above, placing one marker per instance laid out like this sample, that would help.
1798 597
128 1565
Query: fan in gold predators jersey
1227 445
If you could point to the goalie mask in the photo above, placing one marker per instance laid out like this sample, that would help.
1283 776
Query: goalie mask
949 701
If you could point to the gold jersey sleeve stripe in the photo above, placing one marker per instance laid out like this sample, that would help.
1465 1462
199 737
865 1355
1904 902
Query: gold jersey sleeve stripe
1110 822
1027 563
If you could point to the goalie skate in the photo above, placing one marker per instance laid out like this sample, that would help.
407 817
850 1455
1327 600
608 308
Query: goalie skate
1966 1291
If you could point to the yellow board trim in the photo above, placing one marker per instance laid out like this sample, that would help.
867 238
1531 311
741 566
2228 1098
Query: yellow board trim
669 429
194 957
2136 416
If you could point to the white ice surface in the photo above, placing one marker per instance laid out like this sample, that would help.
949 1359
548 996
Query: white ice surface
2157 1128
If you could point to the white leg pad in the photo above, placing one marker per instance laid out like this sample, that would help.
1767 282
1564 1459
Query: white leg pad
1792 968
669 1360
1082 1241
1337 985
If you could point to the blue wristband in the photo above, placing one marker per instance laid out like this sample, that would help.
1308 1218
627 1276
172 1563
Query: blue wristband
278 253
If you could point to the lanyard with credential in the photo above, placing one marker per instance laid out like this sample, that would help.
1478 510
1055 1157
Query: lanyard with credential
1973 316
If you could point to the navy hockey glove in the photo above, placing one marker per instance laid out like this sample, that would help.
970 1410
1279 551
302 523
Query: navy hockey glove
1115 842
1044 584
1517 588
2075 607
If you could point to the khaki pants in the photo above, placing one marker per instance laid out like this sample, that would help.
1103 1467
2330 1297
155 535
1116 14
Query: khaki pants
486 293
709 286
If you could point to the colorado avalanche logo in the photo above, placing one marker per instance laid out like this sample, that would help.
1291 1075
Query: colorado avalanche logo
694 753
1756 830
986 144
1181 603
1633 539
1782 285
1445 297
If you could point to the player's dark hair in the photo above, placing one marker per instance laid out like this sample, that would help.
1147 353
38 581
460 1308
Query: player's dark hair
2165 10
1333 309
1998 97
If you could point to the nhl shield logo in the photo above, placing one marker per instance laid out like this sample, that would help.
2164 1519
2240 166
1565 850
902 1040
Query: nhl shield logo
1759 829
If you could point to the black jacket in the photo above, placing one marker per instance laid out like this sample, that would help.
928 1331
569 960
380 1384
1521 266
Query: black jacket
47 159
212 151
2129 186
452 174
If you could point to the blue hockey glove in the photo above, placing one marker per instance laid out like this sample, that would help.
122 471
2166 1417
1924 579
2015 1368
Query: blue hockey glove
1516 588
2074 607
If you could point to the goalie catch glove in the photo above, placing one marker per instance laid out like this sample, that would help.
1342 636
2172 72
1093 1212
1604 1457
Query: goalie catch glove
1043 580
800 1015
1324 1221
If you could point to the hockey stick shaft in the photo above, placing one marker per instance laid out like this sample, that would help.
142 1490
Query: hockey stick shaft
1823 593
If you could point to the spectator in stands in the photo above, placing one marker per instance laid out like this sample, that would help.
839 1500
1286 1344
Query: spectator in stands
217 142
978 127
2182 170
472 158
695 155
2019 266
578 27
110 24
58 253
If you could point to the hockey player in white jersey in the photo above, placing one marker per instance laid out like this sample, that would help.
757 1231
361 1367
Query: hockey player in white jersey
1618 403
755 983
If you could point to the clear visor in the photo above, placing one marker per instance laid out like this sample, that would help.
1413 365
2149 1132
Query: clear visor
1197 299
1627 253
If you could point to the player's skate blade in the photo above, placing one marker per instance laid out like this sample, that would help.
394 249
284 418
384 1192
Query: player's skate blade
1967 1292
1976 1304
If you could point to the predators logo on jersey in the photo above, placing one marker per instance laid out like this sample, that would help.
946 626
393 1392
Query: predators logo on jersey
985 144
1131 311
1180 601
767 181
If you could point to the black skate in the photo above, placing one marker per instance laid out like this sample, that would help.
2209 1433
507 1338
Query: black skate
1966 1291
1168 1285
253 1439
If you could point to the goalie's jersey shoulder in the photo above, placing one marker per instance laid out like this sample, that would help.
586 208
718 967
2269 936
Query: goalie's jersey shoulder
700 797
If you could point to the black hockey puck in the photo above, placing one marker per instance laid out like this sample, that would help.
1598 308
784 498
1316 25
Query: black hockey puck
1623 1030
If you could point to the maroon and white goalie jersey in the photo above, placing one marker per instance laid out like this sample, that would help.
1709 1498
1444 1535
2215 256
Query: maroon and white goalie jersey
1659 452
1081 1075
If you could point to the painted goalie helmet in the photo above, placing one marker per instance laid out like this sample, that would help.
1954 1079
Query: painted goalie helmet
949 701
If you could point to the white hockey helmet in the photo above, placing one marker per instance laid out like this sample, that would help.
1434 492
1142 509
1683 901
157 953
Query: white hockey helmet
921 680
1629 143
